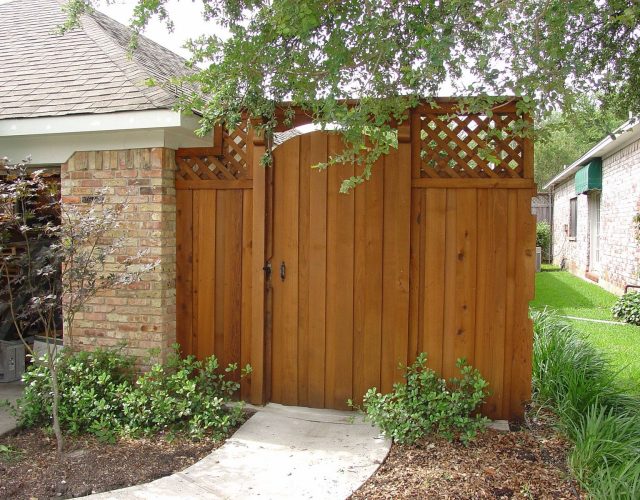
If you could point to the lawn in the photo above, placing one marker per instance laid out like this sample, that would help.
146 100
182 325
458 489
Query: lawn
572 296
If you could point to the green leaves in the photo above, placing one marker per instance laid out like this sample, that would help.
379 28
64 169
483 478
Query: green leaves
101 395
427 404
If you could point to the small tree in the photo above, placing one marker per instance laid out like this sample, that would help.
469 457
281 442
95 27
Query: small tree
65 256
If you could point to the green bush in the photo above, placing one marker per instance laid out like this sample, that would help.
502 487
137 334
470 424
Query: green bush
598 415
427 404
101 395
627 308
543 239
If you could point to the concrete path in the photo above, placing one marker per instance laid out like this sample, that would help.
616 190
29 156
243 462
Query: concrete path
10 391
280 452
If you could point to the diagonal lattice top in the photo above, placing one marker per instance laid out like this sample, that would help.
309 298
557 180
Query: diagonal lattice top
470 146
203 164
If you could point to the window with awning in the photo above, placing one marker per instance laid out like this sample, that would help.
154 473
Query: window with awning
589 177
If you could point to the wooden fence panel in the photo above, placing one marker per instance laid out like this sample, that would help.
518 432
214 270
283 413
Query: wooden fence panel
435 253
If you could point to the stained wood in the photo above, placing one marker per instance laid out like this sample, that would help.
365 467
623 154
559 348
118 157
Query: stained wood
401 265
396 240
204 271
284 370
304 265
434 239
465 183
184 270
339 316
523 337
317 292
258 302
510 302
245 327
369 223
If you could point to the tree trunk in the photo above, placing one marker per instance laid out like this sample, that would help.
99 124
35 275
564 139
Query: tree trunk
53 369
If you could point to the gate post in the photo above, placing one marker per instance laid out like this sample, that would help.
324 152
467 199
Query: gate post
258 394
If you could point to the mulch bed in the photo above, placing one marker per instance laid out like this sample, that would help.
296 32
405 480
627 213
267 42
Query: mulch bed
89 466
522 464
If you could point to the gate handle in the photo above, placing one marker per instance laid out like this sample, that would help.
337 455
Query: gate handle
283 270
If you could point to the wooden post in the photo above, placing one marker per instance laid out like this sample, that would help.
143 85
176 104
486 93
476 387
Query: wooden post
258 395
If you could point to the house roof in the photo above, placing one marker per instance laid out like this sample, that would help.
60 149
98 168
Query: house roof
623 135
85 71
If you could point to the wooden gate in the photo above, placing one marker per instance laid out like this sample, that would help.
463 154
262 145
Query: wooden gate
435 253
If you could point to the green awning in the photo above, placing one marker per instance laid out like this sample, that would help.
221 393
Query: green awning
589 177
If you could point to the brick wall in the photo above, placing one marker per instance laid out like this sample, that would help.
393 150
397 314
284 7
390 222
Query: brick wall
143 315
620 202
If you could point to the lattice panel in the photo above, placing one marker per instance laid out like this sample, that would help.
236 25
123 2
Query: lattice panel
195 164
470 146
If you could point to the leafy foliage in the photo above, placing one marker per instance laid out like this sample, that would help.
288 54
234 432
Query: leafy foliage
600 416
562 138
320 54
627 308
101 394
427 404
543 239
68 255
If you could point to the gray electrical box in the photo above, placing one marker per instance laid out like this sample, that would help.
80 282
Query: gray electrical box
12 354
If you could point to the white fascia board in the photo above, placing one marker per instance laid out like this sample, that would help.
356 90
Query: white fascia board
103 122
626 133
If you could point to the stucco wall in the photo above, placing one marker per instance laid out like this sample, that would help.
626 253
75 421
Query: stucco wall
620 202
143 315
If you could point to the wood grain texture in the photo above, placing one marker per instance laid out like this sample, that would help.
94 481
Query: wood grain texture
184 270
399 266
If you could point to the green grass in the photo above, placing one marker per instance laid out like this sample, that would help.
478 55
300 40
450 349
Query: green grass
569 295
600 418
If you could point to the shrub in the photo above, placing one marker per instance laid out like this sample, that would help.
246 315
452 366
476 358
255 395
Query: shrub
427 404
543 239
100 394
602 419
184 395
627 308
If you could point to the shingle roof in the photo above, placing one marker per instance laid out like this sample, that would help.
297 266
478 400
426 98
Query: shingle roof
87 70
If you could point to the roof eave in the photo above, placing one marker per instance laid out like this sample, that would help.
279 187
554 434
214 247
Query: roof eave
624 134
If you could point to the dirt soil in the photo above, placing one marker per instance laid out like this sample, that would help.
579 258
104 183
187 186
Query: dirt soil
31 470
527 464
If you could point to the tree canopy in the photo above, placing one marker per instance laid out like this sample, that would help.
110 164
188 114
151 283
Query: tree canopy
391 53
563 137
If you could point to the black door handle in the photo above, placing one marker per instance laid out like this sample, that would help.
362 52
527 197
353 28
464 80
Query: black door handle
283 270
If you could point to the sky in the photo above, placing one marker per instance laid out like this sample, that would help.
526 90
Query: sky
185 14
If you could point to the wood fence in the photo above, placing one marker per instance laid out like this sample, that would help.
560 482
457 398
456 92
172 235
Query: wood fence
435 253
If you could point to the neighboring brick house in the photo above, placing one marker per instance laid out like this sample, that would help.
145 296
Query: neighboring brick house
80 104
596 200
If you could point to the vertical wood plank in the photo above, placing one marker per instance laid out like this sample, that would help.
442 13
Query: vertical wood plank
450 265
257 273
204 270
339 332
491 295
433 292
318 271
523 329
245 328
368 283
416 276
232 299
397 238
304 264
510 315
467 242
184 270
284 374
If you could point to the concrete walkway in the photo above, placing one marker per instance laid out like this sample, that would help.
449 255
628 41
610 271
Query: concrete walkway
280 452
10 391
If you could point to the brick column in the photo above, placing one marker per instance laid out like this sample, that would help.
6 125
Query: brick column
142 316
